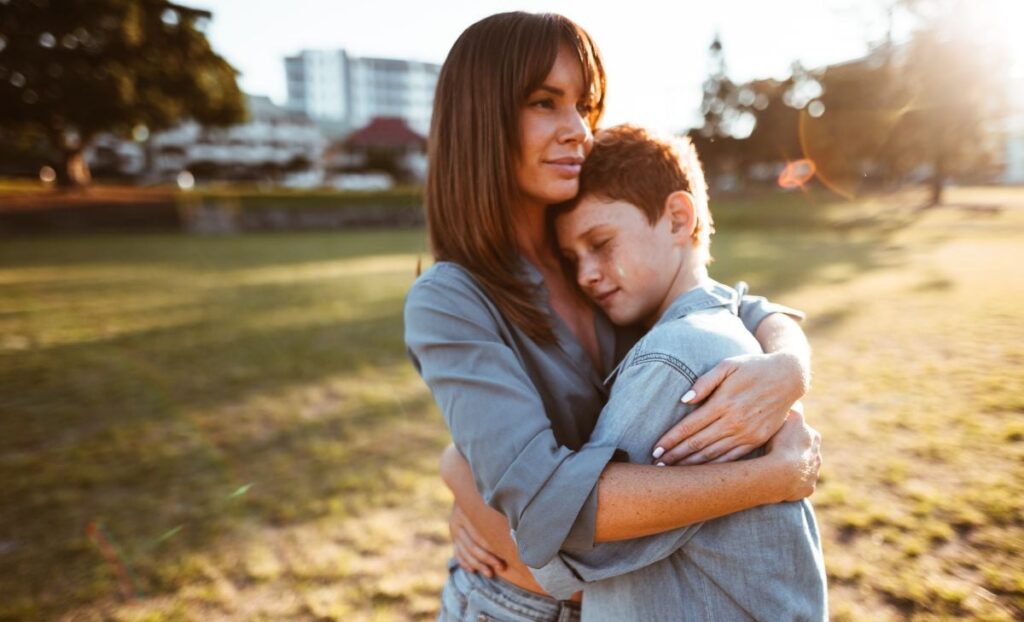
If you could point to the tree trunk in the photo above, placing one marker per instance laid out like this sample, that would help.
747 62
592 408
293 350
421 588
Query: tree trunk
75 173
938 182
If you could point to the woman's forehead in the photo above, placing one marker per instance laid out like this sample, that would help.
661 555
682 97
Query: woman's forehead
566 73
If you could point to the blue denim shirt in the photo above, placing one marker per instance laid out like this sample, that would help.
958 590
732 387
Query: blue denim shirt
763 564
522 412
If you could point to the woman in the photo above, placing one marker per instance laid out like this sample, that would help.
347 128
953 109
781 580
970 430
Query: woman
515 357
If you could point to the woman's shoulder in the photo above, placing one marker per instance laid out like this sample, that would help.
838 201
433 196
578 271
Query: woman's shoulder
446 302
445 277
447 284
447 272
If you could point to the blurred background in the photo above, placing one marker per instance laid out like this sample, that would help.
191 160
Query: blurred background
210 212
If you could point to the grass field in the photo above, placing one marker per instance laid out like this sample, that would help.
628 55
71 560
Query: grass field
227 428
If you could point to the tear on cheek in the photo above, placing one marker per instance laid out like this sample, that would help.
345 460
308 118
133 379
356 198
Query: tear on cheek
620 271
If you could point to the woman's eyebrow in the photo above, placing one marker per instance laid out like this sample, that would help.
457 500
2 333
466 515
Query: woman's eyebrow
554 90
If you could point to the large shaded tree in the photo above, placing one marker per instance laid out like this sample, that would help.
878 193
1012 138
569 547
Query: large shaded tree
955 76
70 69
852 138
750 123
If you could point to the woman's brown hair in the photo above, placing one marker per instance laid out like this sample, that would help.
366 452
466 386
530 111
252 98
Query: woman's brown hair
474 144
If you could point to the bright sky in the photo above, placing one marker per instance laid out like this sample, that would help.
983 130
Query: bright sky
655 52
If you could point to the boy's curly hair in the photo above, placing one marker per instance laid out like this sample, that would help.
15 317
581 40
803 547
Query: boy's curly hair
629 163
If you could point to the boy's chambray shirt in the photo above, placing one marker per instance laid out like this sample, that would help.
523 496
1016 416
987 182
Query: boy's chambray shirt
760 564
522 412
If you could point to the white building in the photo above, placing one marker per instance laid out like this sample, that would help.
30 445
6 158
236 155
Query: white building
346 92
274 138
1013 148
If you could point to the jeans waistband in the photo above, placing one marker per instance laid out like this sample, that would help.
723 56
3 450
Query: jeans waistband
543 606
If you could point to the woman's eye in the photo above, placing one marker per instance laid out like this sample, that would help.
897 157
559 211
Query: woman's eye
544 103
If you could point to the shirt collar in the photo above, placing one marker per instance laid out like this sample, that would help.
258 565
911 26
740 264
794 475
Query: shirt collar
708 295
530 271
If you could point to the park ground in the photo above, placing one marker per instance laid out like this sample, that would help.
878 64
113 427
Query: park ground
226 428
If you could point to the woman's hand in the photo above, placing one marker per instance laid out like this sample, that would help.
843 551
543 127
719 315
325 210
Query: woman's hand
470 547
749 398
796 450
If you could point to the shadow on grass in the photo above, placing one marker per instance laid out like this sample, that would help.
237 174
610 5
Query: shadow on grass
774 262
159 510
156 433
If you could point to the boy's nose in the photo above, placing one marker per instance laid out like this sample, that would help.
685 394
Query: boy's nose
587 273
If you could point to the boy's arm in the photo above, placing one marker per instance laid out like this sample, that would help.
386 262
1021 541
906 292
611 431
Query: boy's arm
749 397
479 533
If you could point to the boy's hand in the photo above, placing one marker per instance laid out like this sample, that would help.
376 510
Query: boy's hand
750 396
470 548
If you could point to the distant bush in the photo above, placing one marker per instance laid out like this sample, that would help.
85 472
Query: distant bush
283 198
235 209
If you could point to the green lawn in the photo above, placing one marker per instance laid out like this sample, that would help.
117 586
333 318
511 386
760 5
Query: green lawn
227 428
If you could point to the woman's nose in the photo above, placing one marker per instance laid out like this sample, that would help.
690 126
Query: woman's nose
575 127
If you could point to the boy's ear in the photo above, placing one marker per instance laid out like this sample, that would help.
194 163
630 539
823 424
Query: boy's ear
682 214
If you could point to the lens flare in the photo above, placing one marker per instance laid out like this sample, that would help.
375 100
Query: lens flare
796 174
842 142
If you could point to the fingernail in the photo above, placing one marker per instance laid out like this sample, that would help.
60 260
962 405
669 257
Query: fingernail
689 396
661 464
658 452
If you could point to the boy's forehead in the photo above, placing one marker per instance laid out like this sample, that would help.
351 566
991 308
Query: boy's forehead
585 210
593 211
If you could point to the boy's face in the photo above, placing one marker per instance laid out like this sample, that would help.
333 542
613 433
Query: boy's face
622 262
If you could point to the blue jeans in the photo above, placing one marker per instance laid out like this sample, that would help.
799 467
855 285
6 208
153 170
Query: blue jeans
470 597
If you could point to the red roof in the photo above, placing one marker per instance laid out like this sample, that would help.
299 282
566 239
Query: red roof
386 132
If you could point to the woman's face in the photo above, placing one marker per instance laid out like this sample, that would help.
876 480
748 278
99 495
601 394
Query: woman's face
554 135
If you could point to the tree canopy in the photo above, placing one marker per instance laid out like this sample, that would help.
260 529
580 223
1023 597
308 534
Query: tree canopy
70 69
931 103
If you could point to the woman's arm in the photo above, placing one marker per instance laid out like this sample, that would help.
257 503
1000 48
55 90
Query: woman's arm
637 500
461 347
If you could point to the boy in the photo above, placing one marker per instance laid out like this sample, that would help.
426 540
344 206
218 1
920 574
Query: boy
637 237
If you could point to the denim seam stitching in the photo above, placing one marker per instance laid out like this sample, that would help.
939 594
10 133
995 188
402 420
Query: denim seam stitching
671 361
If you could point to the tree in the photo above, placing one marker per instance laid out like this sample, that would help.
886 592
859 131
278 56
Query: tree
955 80
718 138
70 69
753 122
851 136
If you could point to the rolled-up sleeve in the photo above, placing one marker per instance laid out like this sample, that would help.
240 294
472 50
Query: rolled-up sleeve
632 422
753 309
496 417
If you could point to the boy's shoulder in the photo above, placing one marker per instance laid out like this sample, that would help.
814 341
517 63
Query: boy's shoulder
700 328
